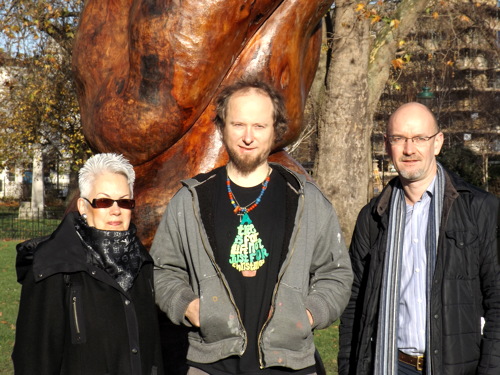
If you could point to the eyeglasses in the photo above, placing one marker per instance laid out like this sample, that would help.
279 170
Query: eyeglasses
108 202
418 140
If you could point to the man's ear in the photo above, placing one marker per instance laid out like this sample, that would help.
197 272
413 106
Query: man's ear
438 143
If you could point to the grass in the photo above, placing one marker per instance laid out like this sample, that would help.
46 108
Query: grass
9 304
326 340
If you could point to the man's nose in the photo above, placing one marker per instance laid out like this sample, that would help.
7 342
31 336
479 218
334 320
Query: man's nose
248 135
409 147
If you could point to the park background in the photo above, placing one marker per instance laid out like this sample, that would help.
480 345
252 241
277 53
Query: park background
375 56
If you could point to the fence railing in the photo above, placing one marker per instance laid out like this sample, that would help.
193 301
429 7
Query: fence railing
39 224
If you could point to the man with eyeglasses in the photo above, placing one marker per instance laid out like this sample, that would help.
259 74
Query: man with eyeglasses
425 268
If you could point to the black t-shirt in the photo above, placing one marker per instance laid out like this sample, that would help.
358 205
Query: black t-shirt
255 243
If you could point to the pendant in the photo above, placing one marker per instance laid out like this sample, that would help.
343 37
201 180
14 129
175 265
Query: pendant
247 253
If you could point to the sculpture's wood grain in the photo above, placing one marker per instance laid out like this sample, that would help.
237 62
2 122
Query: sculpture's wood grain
147 73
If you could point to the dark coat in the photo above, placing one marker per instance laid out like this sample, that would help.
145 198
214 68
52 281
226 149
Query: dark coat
466 285
75 319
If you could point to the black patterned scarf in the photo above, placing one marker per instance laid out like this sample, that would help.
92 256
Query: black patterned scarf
116 252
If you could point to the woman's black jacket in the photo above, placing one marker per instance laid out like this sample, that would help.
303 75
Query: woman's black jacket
75 319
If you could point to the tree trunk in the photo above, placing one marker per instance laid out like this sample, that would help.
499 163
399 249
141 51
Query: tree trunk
73 190
357 76
37 184
342 165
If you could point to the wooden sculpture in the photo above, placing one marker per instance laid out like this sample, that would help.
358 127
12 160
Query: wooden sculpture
147 73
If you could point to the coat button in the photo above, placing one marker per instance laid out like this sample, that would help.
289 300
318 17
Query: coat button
93 272
135 351
127 302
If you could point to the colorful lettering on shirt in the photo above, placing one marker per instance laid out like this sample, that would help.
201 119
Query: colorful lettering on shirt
247 252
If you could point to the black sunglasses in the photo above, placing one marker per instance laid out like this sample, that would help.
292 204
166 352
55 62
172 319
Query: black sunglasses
108 202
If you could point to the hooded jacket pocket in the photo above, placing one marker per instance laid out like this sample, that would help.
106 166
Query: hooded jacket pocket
219 319
289 327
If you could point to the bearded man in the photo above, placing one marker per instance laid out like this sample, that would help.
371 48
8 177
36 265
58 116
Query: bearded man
250 256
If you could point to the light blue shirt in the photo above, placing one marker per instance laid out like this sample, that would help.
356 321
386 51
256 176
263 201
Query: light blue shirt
413 302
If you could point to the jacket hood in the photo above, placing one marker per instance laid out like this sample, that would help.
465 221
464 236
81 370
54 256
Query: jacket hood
25 253
59 252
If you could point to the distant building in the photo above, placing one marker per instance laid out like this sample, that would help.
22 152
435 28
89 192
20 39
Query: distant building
15 184
11 184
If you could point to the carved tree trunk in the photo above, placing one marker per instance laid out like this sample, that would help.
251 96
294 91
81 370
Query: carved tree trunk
147 73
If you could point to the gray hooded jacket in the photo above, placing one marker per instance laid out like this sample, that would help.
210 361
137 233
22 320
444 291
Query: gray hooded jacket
316 275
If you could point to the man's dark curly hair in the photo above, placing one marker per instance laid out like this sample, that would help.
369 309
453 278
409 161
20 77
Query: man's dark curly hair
279 115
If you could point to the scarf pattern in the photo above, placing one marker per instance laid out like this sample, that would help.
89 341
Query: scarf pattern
116 252
386 352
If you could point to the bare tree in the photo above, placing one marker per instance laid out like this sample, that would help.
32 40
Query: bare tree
362 49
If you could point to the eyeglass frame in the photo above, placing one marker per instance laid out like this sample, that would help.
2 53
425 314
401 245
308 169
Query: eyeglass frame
422 139
118 201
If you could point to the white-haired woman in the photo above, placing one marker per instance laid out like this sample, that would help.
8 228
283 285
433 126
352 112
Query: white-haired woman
87 302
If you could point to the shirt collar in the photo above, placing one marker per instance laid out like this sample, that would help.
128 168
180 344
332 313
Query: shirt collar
430 188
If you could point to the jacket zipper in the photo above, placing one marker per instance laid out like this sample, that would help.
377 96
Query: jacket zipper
75 315
275 292
219 272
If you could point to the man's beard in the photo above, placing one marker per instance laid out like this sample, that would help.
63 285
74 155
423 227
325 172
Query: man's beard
411 175
246 165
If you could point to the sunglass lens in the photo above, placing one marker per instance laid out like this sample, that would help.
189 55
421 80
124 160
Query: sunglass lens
103 202
108 202
126 203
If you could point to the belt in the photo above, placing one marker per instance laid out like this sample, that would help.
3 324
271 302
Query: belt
415 361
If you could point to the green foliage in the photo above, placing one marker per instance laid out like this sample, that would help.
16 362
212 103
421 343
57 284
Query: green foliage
452 49
9 304
25 22
494 182
463 162
39 104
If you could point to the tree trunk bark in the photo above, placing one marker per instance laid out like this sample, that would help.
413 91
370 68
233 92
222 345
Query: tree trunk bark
341 165
357 76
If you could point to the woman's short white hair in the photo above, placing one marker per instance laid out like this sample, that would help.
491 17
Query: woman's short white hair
103 163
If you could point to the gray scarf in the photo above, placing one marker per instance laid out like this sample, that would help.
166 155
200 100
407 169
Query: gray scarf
386 353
